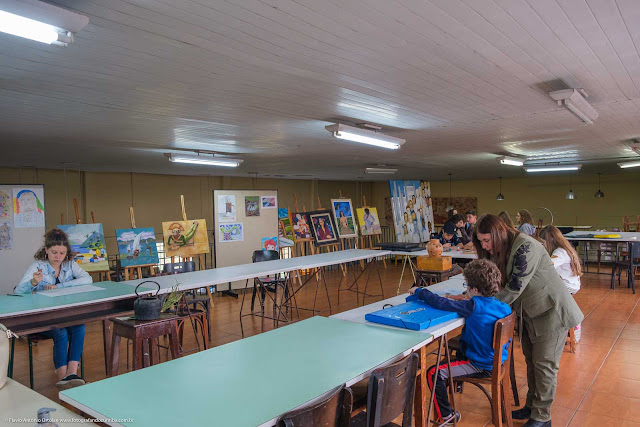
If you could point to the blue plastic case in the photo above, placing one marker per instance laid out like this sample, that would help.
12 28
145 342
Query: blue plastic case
414 314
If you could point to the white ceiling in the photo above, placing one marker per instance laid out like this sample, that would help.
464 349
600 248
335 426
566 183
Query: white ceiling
460 80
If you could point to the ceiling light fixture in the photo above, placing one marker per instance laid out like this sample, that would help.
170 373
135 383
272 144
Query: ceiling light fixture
599 194
512 161
553 168
574 100
381 170
625 165
500 197
365 136
570 195
39 21
204 160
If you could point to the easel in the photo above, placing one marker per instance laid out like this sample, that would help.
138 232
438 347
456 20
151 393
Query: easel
331 247
367 242
130 270
103 275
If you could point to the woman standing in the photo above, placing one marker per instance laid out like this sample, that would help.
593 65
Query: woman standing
525 221
53 269
537 294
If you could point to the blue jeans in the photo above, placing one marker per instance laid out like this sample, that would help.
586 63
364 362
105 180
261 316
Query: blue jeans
67 344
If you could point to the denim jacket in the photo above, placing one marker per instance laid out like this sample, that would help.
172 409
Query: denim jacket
70 275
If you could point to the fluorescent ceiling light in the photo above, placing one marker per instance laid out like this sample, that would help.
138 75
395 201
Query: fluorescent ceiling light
513 161
365 136
574 100
205 160
625 165
389 171
552 168
39 21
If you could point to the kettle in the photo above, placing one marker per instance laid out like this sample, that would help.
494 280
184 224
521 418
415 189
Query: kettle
147 307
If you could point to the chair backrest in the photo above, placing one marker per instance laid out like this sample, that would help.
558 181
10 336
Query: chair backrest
260 256
391 392
333 411
179 267
503 334
635 250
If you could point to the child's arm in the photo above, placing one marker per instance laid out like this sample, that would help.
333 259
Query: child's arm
464 308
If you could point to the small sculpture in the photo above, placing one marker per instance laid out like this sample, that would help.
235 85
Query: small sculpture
434 247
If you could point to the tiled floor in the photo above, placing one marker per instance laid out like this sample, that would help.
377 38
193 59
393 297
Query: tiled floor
599 385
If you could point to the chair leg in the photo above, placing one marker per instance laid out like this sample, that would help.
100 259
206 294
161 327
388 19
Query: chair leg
512 378
506 407
30 363
11 356
82 364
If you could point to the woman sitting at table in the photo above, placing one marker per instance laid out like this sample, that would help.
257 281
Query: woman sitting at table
53 269
525 221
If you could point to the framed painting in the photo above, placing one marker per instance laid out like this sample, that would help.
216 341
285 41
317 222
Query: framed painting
137 246
251 206
323 227
285 229
369 221
345 219
88 246
461 204
185 238
300 224
412 211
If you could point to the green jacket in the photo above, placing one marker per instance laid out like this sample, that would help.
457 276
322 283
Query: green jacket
536 292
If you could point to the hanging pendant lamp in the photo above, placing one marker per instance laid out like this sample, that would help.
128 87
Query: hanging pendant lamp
570 195
500 197
599 194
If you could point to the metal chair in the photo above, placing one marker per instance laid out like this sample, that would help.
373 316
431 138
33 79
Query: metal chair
333 411
630 264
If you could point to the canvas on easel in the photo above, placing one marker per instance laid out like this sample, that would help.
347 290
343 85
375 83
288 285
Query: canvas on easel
323 227
369 221
412 210
185 238
137 246
88 246
345 218
301 227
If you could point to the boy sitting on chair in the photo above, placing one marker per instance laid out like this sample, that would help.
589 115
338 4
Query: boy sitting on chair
481 310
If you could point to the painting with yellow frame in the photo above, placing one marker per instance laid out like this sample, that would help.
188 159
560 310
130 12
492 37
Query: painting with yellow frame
185 238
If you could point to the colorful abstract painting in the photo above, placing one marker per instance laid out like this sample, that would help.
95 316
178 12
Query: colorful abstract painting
185 238
6 235
412 211
226 208
301 227
137 246
28 207
268 202
87 245
228 233
343 212
6 210
369 221
252 205
270 243
323 227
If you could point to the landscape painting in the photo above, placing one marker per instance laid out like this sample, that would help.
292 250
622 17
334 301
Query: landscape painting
137 246
185 238
88 246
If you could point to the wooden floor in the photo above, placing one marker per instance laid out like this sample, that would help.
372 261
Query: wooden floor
599 385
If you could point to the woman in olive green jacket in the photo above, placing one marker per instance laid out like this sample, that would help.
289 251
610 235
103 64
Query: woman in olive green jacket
537 294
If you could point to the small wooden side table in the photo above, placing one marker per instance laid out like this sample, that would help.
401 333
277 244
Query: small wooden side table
430 277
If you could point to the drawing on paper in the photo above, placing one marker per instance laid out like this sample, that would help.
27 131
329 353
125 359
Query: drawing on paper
6 211
270 243
230 233
301 228
323 227
412 210
226 208
369 221
185 238
88 245
252 205
28 209
6 235
137 246
268 202
343 212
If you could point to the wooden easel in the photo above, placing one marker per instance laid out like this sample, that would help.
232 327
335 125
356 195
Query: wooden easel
130 270
331 247
103 275
368 242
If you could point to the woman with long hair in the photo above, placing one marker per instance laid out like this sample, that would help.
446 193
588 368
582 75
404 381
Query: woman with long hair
546 310
504 216
525 221
54 268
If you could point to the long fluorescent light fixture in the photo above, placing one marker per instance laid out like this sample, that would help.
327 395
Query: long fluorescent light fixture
388 171
552 168
574 100
39 21
625 165
513 161
365 136
205 160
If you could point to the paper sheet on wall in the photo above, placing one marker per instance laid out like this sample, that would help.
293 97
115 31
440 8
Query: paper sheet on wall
58 292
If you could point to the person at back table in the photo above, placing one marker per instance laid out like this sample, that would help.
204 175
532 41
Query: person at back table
448 236
467 230
504 216
53 269
481 311
525 221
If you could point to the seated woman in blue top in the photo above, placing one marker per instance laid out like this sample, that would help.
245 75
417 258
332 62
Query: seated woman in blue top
525 222
481 311
53 269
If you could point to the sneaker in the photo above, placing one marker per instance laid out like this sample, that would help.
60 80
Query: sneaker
523 413
70 381
448 421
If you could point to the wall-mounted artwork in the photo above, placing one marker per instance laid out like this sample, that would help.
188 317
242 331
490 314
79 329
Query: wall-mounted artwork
268 202
228 233
252 206
323 227
301 227
226 208
28 207
462 205
285 229
137 246
343 211
185 238
369 221
88 245
6 210
412 211
270 243
6 235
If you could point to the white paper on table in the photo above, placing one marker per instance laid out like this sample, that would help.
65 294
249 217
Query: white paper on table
58 292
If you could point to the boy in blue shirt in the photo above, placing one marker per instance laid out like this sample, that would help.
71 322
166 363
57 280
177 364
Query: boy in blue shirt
448 236
481 311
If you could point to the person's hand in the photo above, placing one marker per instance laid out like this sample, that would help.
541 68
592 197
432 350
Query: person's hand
37 278
412 291
447 246
47 287
468 246
460 246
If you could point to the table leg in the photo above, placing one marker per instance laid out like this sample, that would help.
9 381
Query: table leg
114 356
138 353
419 407
173 344
106 342
404 263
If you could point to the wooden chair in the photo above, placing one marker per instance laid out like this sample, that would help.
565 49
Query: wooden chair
333 411
630 265
390 394
499 381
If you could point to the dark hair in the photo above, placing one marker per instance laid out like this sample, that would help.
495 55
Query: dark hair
484 276
471 212
504 216
553 239
525 216
502 238
54 237
456 218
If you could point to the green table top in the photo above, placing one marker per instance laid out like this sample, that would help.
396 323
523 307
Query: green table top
248 382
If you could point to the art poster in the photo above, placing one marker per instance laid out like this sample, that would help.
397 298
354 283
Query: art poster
137 246
268 202
228 233
87 245
343 212
252 205
285 229
6 210
323 227
270 243
6 235
301 227
369 221
185 238
227 208
28 207
461 204
412 210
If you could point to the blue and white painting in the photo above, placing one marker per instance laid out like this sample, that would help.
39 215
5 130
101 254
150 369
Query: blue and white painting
412 211
137 246
88 245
